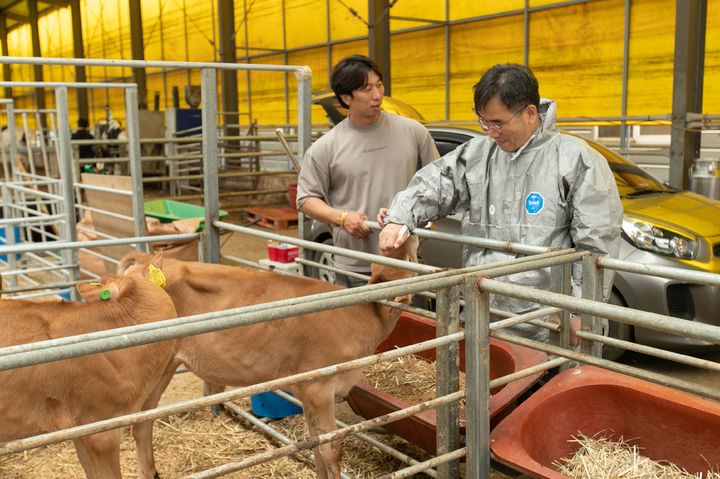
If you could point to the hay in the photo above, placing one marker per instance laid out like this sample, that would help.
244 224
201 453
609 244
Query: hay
196 441
408 378
601 457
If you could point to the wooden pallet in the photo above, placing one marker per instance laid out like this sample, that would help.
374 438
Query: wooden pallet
277 218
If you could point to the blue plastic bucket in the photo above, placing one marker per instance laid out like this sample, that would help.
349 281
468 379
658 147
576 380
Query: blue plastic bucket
271 405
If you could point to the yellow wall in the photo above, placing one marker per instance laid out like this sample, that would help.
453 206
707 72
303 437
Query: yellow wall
576 51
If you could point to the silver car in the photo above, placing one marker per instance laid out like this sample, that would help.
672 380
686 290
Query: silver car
661 226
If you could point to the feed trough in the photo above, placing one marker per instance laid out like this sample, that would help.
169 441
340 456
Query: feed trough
665 424
505 358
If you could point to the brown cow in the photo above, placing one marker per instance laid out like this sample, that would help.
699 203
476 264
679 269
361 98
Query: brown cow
48 397
262 352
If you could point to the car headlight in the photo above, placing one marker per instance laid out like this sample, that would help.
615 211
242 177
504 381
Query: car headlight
650 237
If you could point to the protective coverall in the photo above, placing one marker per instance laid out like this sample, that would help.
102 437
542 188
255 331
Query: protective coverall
555 191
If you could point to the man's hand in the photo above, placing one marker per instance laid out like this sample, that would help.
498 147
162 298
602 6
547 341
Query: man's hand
381 216
392 236
354 223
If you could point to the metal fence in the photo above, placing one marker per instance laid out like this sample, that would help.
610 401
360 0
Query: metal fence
473 284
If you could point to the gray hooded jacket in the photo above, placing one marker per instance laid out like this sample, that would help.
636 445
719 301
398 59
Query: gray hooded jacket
555 191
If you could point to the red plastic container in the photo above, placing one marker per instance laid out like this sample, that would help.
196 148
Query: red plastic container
420 429
666 424
282 253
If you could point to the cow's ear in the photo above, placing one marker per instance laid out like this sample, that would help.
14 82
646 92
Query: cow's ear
98 292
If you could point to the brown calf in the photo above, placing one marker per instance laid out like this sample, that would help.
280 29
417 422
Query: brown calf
47 397
262 352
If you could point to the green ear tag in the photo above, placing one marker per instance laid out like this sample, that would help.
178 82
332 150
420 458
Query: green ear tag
105 294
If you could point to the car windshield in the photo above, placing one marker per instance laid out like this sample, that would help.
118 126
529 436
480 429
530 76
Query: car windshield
631 180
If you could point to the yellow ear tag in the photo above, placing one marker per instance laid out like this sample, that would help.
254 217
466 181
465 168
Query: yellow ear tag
156 276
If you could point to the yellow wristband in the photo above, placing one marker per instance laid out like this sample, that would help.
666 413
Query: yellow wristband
342 219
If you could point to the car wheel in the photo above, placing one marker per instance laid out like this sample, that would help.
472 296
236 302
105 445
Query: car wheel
325 259
616 330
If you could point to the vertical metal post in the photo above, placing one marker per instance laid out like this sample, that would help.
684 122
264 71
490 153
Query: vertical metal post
304 78
37 68
690 20
560 279
448 53
526 34
228 78
5 53
69 233
80 93
135 155
211 199
448 379
624 128
13 139
591 289
379 38
477 380
171 148
138 50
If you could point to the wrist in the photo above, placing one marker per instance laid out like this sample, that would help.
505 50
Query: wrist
343 216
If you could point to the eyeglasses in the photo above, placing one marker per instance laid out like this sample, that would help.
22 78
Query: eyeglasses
496 127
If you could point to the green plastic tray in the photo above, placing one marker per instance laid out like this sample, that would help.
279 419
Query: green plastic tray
170 210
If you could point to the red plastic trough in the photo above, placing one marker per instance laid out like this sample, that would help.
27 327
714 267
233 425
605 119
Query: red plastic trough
666 424
420 429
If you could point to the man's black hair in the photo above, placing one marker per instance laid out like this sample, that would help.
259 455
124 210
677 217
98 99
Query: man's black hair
83 123
350 74
514 85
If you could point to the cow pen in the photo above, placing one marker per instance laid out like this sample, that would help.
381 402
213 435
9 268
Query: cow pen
49 217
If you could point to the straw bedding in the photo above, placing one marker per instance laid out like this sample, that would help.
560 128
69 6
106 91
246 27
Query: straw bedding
602 457
408 378
196 441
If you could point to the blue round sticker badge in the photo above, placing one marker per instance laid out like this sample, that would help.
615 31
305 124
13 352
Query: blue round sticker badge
534 203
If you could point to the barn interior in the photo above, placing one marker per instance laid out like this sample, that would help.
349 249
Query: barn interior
199 114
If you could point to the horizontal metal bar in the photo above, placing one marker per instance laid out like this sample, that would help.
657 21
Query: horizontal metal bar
36 286
184 406
100 341
528 317
30 221
62 245
54 84
699 277
34 192
426 466
96 62
654 321
105 212
694 388
326 248
472 240
91 343
650 351
270 431
327 437
382 446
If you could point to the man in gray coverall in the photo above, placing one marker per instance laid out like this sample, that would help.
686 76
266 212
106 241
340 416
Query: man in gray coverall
524 182
357 167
